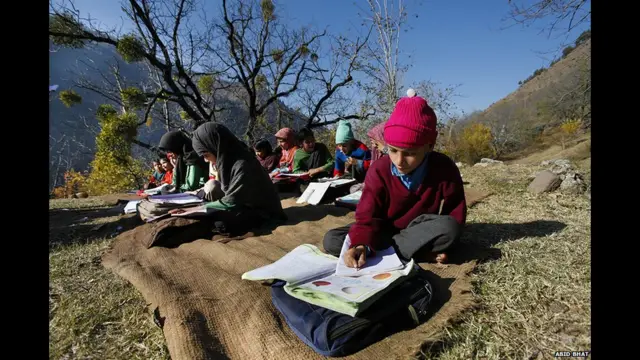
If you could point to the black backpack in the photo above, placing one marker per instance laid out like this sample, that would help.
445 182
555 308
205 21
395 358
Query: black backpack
331 333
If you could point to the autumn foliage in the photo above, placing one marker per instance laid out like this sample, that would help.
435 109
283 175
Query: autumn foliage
113 168
74 182
473 143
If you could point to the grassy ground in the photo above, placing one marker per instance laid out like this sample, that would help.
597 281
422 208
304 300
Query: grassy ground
534 299
94 314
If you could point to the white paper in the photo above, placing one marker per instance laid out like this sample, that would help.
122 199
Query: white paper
383 261
179 199
156 190
131 207
200 210
352 198
291 175
341 182
314 193
299 265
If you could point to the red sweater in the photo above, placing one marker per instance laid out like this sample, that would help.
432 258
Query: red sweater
386 204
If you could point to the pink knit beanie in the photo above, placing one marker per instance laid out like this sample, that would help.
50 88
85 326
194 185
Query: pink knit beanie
411 124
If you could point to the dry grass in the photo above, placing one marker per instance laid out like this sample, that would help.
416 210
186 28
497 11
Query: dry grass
94 314
577 150
534 299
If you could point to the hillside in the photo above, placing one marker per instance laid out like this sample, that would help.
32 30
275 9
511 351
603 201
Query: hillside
540 87
548 98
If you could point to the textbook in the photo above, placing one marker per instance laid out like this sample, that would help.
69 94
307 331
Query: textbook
310 276
156 190
383 260
179 199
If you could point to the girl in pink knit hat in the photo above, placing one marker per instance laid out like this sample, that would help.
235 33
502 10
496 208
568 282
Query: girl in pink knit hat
413 199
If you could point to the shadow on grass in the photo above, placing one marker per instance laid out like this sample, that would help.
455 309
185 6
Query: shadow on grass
72 226
478 239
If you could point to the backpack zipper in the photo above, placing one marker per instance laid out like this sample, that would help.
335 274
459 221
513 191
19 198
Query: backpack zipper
344 329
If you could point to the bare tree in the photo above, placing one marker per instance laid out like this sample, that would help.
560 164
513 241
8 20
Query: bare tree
273 62
563 15
165 38
388 18
248 45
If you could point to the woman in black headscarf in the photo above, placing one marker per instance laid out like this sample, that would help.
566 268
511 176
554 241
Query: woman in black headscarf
249 195
191 172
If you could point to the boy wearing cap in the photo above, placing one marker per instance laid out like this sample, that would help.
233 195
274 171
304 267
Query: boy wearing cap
413 199
351 154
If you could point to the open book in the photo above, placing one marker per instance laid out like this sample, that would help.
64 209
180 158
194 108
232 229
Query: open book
353 198
156 190
310 276
314 193
337 181
382 261
181 199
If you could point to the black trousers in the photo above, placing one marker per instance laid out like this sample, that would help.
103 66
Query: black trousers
428 232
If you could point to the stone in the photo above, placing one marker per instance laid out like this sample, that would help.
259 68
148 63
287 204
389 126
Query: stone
545 181
460 165
559 167
82 195
490 161
573 184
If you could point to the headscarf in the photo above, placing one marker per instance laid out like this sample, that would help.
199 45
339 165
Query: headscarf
377 133
288 135
250 186
177 142
218 140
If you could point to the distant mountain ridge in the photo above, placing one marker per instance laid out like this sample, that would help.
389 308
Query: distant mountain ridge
70 129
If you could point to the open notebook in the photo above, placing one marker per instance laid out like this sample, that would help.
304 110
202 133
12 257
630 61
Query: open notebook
310 276
156 190
381 261
181 199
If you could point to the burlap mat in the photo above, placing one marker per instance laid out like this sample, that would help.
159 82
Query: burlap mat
208 312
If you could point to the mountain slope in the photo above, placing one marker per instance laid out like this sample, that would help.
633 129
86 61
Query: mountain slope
73 130
541 101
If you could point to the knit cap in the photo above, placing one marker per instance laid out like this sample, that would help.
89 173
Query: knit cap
344 133
412 123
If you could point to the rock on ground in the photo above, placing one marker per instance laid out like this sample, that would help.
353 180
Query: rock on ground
559 167
486 162
544 182
572 184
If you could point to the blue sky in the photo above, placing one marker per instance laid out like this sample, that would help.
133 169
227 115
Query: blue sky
451 41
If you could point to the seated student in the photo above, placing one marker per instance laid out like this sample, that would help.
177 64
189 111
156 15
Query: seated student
190 170
413 198
378 149
156 178
351 155
168 171
287 142
313 158
249 195
266 156
376 138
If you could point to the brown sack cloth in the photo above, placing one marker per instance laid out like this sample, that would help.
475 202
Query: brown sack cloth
208 312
